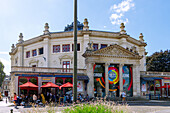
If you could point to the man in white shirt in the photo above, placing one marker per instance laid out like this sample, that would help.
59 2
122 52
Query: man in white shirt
34 98
123 96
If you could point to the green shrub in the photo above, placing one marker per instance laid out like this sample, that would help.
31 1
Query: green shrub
97 107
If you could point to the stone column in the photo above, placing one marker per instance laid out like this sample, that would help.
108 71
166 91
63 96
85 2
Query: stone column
90 85
134 81
12 85
53 81
16 84
138 79
106 79
39 84
121 78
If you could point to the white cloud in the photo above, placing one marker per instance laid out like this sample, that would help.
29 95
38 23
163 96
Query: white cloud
118 10
115 16
4 52
104 26
7 65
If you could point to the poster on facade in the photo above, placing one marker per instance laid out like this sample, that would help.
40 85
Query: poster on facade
143 86
157 83
79 86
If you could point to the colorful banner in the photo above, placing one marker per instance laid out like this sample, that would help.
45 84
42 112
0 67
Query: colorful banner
79 86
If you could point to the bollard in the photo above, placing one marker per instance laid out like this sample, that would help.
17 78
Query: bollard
11 110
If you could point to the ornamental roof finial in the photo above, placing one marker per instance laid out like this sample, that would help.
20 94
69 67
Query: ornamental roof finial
12 47
20 38
86 27
46 31
141 37
122 26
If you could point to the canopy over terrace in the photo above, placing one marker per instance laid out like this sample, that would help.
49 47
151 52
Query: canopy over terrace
166 86
68 84
28 86
50 85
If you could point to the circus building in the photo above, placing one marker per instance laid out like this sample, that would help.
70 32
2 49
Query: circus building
107 61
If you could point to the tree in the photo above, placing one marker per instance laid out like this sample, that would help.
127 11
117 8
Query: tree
2 73
159 61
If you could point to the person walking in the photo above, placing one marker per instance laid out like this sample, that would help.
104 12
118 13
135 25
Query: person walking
34 98
15 100
43 99
123 95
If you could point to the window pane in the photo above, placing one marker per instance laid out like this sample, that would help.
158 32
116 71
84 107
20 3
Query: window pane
78 47
28 54
66 48
103 46
95 46
41 51
56 48
34 52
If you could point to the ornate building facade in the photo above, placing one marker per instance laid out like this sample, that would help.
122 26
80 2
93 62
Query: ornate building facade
107 61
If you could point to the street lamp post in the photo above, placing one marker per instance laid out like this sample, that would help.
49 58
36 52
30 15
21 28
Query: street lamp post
75 54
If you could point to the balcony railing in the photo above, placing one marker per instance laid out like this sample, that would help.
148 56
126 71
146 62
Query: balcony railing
44 69
145 73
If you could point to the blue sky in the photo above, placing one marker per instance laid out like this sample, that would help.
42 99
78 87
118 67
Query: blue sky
150 17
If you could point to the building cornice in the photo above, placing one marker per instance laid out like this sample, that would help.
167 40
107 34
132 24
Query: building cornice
92 33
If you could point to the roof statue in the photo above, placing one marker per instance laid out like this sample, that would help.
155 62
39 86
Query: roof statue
141 37
70 27
122 30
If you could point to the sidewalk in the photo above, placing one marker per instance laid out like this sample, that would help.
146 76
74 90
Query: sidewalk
6 107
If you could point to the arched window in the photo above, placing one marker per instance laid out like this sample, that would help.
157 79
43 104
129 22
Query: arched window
68 80
22 81
59 81
33 80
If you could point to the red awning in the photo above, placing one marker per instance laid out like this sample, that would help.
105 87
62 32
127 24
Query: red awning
68 84
28 85
164 86
50 85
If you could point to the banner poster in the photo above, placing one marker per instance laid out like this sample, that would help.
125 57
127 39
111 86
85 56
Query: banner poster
144 86
157 83
79 86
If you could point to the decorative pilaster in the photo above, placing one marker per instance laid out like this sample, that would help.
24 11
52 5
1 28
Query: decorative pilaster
106 79
121 78
90 85
138 79
46 51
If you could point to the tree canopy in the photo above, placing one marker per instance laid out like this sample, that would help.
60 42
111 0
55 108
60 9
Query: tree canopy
159 61
2 73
